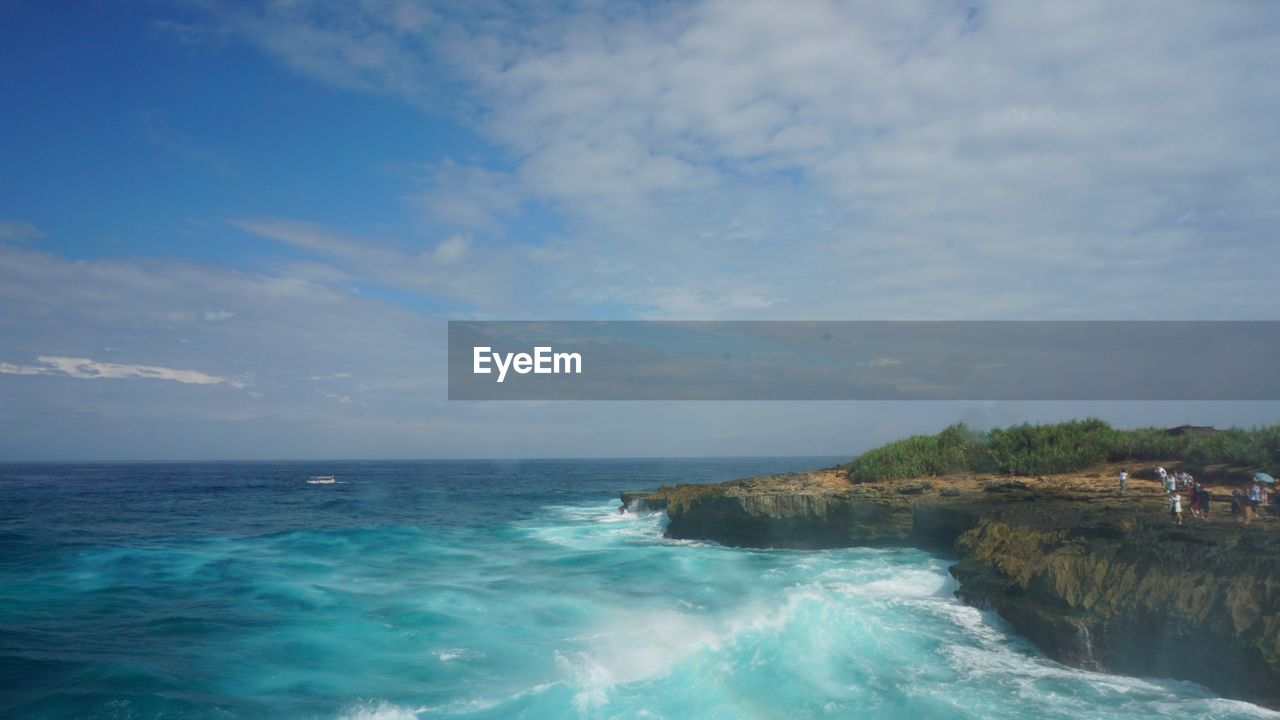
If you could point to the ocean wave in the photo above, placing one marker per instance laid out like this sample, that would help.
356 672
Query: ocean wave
380 710
594 526
462 708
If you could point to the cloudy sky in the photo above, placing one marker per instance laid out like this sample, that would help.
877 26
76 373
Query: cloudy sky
236 230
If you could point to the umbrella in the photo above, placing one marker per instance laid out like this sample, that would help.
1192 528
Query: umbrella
1264 478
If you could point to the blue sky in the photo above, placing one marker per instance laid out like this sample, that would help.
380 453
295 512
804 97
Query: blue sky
236 229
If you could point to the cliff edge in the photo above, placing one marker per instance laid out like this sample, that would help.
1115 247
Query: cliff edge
1093 577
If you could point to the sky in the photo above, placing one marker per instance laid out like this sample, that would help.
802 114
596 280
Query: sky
237 230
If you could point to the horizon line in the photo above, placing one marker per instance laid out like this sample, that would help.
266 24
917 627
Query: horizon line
159 461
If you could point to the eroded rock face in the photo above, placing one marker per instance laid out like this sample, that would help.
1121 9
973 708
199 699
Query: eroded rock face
1094 578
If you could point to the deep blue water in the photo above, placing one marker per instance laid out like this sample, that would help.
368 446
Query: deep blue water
483 589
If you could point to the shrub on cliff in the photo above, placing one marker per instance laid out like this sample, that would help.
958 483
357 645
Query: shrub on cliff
1236 447
1041 449
1061 447
1147 444
919 455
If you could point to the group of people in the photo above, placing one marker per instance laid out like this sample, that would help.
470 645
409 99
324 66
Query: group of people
1245 503
1176 483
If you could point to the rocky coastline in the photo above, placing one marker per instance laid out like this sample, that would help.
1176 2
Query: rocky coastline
1095 578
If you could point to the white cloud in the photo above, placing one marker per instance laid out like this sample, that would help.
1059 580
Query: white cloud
854 159
86 369
218 315
691 301
469 197
372 46
452 249
17 230
452 268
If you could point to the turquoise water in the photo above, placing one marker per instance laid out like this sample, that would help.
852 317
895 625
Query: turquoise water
484 590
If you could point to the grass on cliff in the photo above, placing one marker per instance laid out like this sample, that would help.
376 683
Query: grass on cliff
1061 447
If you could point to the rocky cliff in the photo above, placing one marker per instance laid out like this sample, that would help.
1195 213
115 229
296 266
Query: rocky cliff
1094 578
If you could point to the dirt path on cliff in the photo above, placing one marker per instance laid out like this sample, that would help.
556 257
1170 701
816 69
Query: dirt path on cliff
1144 496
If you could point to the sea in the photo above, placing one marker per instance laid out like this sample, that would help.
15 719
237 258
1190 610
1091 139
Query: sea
485 589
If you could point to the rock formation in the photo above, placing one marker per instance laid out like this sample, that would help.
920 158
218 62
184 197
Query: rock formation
1094 578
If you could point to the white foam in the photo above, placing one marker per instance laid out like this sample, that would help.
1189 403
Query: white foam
451 654
1216 707
973 622
651 644
909 584
590 680
998 657
588 527
463 707
638 646
380 710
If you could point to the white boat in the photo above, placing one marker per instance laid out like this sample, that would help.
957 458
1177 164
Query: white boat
322 480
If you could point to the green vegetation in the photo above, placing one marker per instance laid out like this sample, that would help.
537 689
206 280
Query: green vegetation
1063 447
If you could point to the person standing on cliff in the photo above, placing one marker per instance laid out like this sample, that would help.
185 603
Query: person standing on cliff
1175 508
1241 499
1124 480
